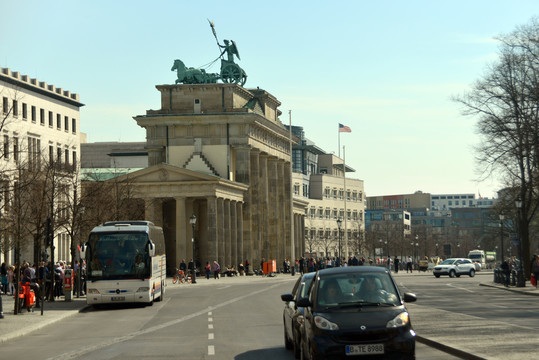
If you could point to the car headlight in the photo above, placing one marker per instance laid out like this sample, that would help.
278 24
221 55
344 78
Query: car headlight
325 324
400 320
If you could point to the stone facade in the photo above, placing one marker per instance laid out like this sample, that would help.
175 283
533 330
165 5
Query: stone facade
231 143
40 122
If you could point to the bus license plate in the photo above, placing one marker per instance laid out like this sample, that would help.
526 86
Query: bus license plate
365 349
117 298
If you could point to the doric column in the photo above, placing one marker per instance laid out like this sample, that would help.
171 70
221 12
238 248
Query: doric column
243 174
251 208
181 232
220 232
227 241
212 229
234 234
283 246
263 210
273 209
239 232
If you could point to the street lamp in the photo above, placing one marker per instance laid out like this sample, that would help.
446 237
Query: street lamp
193 221
520 274
436 249
416 246
339 223
502 217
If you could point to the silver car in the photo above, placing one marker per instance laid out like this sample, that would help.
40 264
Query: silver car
455 267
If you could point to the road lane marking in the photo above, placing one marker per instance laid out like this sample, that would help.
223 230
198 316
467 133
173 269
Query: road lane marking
460 288
211 350
113 341
210 326
210 319
211 336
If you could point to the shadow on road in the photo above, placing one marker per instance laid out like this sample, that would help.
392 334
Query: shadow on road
266 354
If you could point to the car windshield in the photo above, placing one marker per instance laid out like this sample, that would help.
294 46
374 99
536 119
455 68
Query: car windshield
117 255
349 290
448 262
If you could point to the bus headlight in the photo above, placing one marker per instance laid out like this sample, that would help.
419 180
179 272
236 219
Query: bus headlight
93 291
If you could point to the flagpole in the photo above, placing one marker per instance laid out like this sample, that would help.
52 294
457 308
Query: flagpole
292 238
345 196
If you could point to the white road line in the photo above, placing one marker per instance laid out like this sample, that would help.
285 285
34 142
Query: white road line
90 348
210 319
211 336
211 350
210 313
210 326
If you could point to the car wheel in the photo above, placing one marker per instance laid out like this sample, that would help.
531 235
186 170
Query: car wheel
457 275
452 273
472 273
436 275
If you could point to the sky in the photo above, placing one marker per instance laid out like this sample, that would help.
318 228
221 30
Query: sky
386 69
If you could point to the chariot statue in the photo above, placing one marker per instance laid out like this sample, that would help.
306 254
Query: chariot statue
230 71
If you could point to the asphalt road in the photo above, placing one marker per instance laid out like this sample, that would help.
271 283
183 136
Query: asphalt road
236 318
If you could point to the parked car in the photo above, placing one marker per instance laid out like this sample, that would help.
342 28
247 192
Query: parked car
356 310
455 267
293 314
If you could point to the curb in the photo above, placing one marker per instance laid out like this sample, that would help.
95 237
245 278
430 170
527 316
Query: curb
448 349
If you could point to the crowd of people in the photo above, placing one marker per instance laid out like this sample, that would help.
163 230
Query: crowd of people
38 276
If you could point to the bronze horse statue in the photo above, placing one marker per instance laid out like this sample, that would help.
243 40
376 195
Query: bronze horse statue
191 75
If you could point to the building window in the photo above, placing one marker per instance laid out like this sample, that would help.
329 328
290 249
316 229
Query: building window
74 159
327 193
66 123
16 148
42 116
58 121
320 213
74 125
51 119
328 213
334 193
296 189
15 108
33 114
6 147
313 212
51 154
5 105
24 111
334 214
341 194
59 155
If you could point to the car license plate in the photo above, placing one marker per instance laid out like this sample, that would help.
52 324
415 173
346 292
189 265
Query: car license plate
117 298
366 349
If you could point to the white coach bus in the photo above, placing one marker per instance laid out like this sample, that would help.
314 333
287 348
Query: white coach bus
125 263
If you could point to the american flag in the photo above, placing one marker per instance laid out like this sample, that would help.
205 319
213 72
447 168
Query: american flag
344 128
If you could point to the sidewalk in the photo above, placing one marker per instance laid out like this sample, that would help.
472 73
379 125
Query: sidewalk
13 326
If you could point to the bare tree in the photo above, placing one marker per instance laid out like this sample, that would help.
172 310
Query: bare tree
506 103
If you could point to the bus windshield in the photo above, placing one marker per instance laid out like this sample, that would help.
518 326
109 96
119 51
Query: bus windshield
118 255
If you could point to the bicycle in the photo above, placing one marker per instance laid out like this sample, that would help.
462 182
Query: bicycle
181 277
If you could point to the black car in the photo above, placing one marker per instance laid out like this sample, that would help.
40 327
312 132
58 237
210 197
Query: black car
293 315
356 311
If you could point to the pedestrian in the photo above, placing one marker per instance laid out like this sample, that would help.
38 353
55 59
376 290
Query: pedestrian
216 270
10 280
247 264
396 264
409 264
3 275
241 269
506 269
535 268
